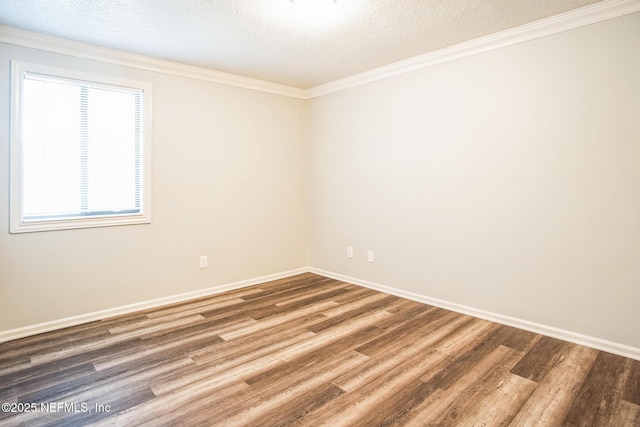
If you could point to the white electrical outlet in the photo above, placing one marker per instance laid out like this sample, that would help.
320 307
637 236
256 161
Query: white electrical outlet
349 252
204 261
370 257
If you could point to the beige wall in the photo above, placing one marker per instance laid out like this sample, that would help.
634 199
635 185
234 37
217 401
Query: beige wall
229 181
507 181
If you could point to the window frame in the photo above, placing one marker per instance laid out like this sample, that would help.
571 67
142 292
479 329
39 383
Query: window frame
17 222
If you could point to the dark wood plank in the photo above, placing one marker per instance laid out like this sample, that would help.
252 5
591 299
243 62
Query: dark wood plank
450 370
599 397
39 378
408 332
631 391
300 406
544 355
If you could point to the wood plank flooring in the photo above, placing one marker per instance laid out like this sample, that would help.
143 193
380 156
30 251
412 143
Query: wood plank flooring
310 351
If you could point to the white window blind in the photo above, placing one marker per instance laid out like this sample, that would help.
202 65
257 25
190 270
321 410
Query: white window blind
81 146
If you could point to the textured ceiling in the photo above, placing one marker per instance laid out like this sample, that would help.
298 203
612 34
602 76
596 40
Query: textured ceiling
275 40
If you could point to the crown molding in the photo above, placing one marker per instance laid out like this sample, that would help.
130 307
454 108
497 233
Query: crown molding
44 42
598 12
577 18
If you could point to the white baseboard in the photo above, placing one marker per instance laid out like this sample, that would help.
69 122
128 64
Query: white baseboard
144 305
550 331
576 338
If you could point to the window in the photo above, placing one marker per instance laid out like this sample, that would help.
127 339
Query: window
80 149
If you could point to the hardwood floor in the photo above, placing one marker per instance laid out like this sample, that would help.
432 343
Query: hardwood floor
309 350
